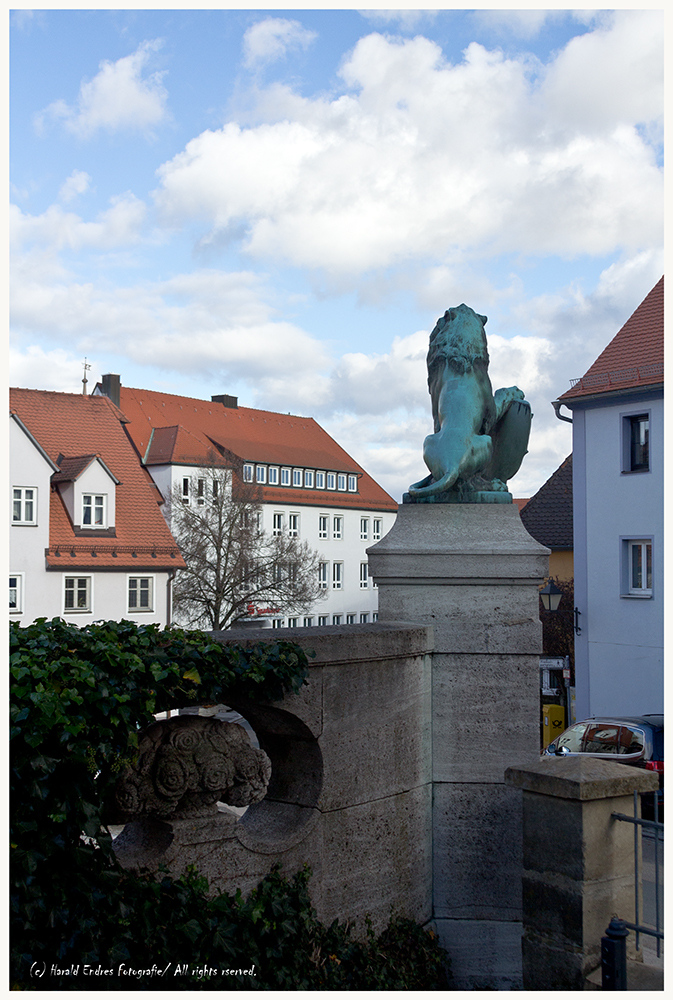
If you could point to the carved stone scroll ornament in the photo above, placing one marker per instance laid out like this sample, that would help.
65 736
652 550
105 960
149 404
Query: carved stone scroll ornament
187 765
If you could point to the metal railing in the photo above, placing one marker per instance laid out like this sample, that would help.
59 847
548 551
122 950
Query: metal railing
657 828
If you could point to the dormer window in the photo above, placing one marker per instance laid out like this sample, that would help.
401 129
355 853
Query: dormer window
94 510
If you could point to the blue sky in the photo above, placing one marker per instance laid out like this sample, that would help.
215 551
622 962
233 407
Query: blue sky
278 204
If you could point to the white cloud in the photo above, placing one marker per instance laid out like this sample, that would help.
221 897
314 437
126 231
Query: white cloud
418 157
271 39
120 225
118 97
77 183
55 369
406 19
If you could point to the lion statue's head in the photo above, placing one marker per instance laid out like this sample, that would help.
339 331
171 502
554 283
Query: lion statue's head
459 338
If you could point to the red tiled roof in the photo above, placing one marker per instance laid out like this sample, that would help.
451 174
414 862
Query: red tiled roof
634 357
183 431
69 424
520 503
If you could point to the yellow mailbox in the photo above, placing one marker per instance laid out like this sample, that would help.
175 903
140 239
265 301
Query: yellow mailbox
553 723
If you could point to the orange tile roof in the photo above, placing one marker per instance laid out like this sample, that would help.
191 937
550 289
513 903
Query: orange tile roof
75 429
168 429
634 358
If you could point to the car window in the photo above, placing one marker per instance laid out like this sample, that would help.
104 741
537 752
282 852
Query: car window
572 738
631 740
601 738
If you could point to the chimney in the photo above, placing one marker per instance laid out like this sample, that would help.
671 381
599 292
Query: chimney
110 386
230 401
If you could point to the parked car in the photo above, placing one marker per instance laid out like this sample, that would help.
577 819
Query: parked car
638 741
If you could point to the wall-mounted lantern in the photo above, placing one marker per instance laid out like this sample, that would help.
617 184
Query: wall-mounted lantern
551 598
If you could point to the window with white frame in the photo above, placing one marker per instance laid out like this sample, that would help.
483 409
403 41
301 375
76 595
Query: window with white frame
637 567
94 510
323 570
353 484
277 622
292 622
141 593
323 526
308 478
331 480
248 472
336 619
260 473
278 572
15 593
364 529
293 526
364 576
185 489
278 519
320 480
636 442
341 481
337 575
215 490
77 594
273 475
323 620
350 619
297 477
337 527
364 618
376 529
200 492
24 505
375 616
308 622
285 475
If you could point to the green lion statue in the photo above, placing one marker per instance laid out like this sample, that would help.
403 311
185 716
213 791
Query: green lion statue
480 439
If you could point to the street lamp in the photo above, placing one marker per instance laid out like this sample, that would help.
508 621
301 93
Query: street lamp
551 598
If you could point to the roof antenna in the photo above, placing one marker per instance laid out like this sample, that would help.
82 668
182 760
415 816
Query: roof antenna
84 380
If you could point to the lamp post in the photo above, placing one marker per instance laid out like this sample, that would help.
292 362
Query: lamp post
551 598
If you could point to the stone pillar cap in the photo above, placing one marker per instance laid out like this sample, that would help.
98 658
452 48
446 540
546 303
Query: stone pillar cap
581 778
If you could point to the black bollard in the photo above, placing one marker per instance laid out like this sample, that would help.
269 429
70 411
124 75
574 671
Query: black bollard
613 956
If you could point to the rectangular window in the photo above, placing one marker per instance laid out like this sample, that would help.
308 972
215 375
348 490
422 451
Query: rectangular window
308 478
285 477
293 529
24 505
352 484
323 526
636 443
297 477
331 480
639 568
320 480
364 618
308 622
200 492
16 593
323 569
278 622
77 595
336 619
93 510
375 616
141 593
323 619
364 576
185 490
337 527
337 575
376 529
278 524
273 476
215 486
292 622
247 472
260 472
341 481
364 529
350 619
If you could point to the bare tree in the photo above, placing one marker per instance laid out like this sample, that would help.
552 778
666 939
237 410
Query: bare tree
235 568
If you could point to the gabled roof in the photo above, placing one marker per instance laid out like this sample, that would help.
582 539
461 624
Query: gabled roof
70 469
179 430
36 444
548 516
634 358
89 428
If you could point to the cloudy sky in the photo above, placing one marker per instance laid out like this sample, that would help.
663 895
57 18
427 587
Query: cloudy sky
278 204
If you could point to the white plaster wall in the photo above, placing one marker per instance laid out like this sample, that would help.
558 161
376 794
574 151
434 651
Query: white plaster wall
94 480
27 543
619 656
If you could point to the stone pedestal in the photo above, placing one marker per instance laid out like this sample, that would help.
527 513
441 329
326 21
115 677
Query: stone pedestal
473 572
